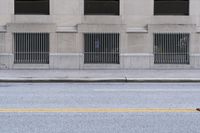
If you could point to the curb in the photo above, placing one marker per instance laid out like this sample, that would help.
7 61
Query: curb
93 80
86 80
167 80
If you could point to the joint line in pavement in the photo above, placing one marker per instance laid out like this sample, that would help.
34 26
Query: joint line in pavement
97 110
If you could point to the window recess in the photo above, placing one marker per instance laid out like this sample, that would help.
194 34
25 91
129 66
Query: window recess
31 7
171 7
101 7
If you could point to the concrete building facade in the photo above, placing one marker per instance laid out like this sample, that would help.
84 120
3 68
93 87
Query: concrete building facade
136 25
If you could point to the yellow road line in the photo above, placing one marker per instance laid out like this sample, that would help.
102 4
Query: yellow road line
95 110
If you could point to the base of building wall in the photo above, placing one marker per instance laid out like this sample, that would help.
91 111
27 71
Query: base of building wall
65 61
101 66
195 61
31 66
76 61
136 61
194 64
6 61
172 66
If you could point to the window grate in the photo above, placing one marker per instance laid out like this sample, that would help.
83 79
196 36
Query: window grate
31 48
171 48
101 48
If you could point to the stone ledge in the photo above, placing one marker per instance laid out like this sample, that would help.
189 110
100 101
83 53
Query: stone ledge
137 30
3 29
62 29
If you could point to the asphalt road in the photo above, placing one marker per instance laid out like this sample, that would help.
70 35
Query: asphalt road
147 96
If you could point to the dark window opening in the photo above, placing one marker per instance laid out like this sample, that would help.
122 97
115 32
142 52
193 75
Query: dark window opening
171 48
32 7
101 7
101 48
171 7
31 48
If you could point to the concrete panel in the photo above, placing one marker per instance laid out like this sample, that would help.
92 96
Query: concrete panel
138 7
8 43
66 42
103 28
31 66
194 8
195 61
31 27
4 19
137 21
6 60
53 43
171 66
101 19
5 6
2 42
32 19
97 66
188 28
173 20
196 44
66 7
66 20
139 43
64 61
136 61
101 66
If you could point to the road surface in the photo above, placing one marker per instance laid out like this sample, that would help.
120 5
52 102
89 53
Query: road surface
99 108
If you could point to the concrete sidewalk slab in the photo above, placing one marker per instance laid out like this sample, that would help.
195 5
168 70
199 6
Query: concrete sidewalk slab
99 75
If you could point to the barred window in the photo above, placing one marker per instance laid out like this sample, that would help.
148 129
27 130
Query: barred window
101 48
171 7
171 48
31 48
101 7
31 7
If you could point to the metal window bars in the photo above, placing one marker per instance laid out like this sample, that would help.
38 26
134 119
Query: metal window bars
101 48
171 48
31 48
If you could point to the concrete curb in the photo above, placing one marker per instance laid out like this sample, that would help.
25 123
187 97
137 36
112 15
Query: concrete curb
163 80
63 80
88 79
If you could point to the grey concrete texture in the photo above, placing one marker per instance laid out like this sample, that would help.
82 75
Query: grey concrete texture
99 76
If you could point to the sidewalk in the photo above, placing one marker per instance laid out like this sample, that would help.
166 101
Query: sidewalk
99 75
